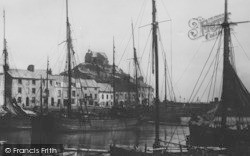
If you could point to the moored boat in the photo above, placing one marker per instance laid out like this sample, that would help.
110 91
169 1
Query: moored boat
214 127
70 121
12 116
156 149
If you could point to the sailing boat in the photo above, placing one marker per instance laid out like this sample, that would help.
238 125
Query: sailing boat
12 116
77 121
117 151
235 100
132 106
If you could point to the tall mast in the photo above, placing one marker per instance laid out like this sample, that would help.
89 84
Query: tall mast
226 63
135 63
5 66
41 96
114 72
155 50
165 79
68 40
47 85
128 80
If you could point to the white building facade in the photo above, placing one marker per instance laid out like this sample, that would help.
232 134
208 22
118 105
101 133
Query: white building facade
105 95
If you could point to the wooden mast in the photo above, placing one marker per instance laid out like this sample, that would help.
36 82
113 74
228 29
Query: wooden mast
155 50
226 63
5 66
135 63
68 40
47 86
41 96
114 98
165 79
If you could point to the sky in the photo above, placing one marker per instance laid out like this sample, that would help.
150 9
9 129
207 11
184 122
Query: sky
35 31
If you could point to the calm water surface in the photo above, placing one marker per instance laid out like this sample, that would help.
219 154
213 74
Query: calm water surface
102 140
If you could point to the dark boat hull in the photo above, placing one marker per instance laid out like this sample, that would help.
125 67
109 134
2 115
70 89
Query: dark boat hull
217 137
71 125
56 124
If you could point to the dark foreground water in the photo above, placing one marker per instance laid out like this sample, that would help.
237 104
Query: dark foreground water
102 140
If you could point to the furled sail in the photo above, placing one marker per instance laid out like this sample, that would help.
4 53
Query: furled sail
235 99
13 109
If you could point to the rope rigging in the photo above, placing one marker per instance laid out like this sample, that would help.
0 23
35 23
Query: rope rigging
241 46
169 80
141 13
215 64
203 68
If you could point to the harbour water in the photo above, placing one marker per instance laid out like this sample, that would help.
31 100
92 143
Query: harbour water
102 140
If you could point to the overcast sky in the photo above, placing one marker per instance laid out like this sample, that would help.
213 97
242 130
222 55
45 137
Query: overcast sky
35 28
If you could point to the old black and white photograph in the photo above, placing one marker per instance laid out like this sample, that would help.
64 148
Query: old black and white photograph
125 78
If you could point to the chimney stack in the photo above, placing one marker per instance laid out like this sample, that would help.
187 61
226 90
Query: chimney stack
31 68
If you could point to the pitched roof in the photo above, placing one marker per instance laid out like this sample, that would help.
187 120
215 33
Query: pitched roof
26 74
90 83
105 87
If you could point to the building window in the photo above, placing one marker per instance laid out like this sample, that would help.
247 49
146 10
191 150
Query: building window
58 83
85 88
65 102
102 96
19 81
111 96
95 96
58 102
52 101
95 88
50 82
19 100
73 93
72 101
86 95
111 103
107 104
33 90
46 100
90 96
33 100
91 102
96 104
20 90
33 82
59 93
107 96
27 101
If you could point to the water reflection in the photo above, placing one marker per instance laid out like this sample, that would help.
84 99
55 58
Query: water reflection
100 140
